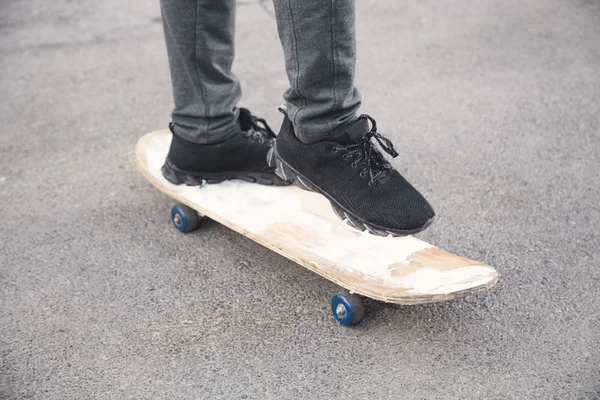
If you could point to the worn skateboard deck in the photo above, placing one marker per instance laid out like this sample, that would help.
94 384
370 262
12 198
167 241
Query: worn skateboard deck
301 226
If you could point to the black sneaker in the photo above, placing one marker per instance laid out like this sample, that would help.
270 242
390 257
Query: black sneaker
363 188
241 156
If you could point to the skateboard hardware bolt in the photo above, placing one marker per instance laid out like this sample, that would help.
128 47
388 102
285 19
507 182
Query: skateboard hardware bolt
177 219
340 310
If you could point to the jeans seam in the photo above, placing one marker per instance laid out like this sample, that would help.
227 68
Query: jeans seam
297 88
206 107
333 58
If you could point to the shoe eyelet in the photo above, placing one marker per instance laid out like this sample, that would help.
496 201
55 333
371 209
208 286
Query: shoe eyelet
362 174
335 149
346 156
354 164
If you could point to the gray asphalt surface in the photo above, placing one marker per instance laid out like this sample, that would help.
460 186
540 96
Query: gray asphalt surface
495 108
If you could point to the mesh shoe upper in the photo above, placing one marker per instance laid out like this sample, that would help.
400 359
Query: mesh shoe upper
243 151
355 175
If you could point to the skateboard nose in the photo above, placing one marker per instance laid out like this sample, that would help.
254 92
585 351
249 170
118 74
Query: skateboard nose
437 283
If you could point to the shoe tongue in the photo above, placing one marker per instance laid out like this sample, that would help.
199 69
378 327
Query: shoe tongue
351 133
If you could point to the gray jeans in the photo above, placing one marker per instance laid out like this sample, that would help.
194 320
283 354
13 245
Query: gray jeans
318 39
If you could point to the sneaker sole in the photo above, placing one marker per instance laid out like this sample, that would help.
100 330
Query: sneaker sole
287 173
178 176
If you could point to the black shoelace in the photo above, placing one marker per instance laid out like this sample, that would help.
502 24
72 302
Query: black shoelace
260 131
375 165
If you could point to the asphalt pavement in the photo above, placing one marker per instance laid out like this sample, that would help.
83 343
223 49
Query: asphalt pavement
494 107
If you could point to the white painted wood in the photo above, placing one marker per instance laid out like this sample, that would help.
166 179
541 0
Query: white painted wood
301 225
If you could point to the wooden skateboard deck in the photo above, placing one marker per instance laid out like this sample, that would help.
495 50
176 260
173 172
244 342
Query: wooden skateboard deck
301 226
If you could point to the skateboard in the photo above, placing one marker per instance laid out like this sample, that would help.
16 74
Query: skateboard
302 226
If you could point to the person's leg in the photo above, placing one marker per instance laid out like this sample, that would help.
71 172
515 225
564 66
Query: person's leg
322 146
319 43
200 45
212 140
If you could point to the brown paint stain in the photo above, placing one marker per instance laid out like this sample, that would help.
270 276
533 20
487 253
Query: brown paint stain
433 258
